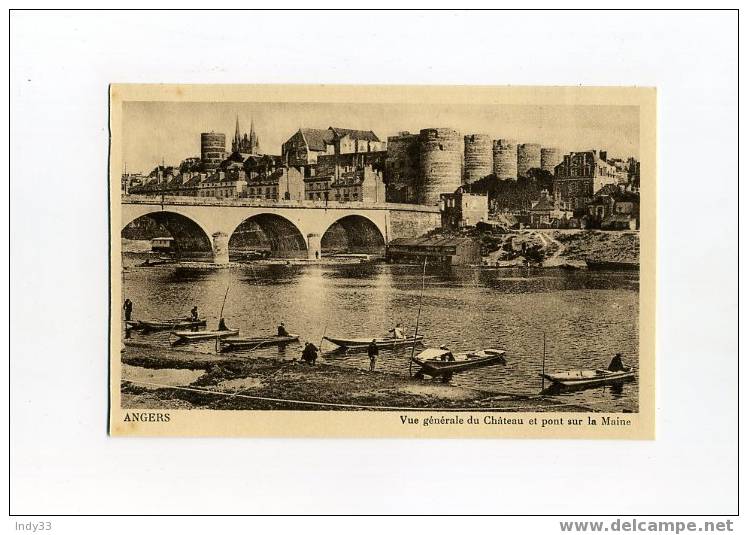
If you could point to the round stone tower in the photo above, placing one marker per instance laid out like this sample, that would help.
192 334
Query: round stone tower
528 157
212 149
441 152
478 157
550 157
505 159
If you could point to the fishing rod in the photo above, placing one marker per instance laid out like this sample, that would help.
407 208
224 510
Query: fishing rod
220 318
324 331
418 319
224 301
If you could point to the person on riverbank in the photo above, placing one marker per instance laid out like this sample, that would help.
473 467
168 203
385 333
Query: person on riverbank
194 316
373 354
128 310
309 355
282 329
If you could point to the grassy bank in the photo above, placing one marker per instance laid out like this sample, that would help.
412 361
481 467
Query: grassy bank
161 378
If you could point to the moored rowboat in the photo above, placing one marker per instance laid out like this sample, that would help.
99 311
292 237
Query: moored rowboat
190 336
167 325
441 362
360 344
588 378
233 344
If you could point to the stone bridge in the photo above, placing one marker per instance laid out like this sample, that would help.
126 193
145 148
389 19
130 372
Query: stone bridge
209 228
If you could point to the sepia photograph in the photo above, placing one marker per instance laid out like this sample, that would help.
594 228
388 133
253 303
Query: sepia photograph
338 256
268 265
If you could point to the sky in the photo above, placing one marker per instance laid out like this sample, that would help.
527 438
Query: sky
170 131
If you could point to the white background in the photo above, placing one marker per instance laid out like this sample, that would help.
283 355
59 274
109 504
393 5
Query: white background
63 462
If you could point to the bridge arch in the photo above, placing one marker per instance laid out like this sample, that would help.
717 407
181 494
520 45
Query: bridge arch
354 233
269 234
191 238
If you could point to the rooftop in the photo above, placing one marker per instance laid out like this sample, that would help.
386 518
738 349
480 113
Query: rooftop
431 241
317 139
365 135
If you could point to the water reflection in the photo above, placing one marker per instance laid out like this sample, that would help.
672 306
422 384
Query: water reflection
587 316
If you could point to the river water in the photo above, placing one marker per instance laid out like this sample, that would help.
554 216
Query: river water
587 316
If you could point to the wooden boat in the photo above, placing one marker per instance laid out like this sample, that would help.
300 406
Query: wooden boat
234 344
588 378
191 336
600 265
167 325
360 344
441 362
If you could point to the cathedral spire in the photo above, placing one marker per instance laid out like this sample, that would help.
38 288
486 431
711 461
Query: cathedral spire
237 136
254 144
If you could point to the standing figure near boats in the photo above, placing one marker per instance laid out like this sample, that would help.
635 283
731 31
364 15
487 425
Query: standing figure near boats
373 354
282 329
309 355
195 317
222 325
128 310
397 332
616 364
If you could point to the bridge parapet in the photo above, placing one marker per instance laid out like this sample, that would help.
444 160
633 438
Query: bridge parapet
236 202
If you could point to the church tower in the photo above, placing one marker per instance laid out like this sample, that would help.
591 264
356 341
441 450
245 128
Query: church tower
243 144
236 144
254 144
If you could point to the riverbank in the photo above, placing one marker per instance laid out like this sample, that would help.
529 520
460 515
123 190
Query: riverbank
161 378
553 248
550 248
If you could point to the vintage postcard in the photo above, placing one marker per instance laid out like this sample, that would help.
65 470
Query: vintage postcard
382 261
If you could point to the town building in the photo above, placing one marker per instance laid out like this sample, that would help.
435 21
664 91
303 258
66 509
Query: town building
303 148
132 180
540 213
256 165
358 185
348 141
282 183
578 177
613 207
179 184
307 144
544 214
347 177
223 184
460 209
317 188
456 251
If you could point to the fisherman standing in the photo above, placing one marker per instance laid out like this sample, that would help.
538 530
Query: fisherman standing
194 315
373 354
128 310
